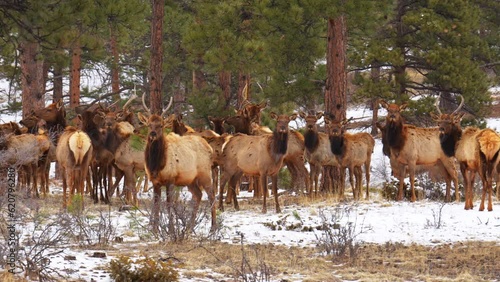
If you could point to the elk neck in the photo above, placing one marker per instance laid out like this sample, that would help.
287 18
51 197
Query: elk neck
449 140
155 155
337 145
395 134
311 140
279 144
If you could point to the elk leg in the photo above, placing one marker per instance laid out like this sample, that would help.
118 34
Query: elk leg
275 192
262 183
412 183
170 202
155 211
351 181
401 177
195 201
223 182
65 187
367 175
232 184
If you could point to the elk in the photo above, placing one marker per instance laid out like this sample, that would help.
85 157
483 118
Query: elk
24 151
176 160
249 112
54 115
411 146
352 150
117 128
437 170
73 153
256 156
294 158
313 139
217 124
476 150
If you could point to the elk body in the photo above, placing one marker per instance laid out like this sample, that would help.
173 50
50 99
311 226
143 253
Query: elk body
25 151
294 158
411 146
476 150
73 153
353 151
436 171
177 160
260 156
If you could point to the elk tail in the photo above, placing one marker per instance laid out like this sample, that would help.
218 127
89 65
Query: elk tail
79 144
489 146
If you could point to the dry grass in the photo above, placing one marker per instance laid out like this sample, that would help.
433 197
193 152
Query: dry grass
471 261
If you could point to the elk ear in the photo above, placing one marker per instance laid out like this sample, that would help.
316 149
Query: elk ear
403 106
380 126
142 118
59 104
293 116
273 116
319 115
302 114
435 117
457 118
383 104
262 105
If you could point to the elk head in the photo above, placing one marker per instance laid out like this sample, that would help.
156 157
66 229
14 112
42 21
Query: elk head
336 130
155 123
253 111
450 130
393 111
311 120
217 124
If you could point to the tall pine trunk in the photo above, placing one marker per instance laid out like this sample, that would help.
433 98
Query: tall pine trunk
375 77
243 94
225 86
155 71
335 91
74 81
58 83
115 71
32 81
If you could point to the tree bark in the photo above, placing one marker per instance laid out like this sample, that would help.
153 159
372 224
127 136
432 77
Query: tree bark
74 82
115 72
155 72
58 84
335 89
225 86
32 77
375 77
243 80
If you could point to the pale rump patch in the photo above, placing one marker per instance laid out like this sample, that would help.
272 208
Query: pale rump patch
79 143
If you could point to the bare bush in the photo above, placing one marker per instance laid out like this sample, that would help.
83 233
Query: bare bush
90 229
340 232
437 217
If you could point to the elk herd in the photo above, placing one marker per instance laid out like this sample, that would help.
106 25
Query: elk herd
107 144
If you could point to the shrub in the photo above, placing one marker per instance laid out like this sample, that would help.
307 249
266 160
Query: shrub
147 269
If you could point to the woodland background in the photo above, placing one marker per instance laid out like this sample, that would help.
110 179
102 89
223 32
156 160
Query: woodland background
297 54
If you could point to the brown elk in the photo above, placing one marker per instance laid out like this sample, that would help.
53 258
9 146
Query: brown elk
256 156
352 150
313 139
54 115
242 121
411 146
24 151
117 128
437 171
217 124
73 153
176 160
476 150
294 158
